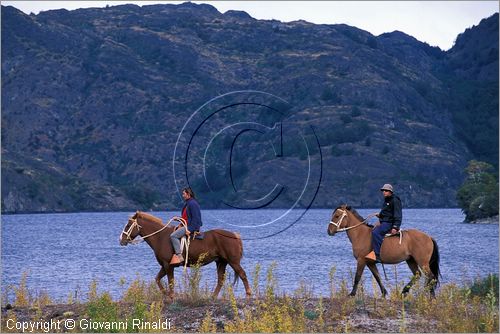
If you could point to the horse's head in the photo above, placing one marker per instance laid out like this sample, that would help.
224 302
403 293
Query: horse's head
130 231
339 217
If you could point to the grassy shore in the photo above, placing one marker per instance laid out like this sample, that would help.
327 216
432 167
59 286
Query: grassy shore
471 307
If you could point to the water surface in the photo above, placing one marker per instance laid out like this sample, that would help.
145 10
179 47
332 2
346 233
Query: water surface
63 253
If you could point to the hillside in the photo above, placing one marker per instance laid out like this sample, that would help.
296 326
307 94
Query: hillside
94 101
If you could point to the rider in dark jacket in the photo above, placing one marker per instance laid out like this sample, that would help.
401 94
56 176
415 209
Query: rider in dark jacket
390 217
391 211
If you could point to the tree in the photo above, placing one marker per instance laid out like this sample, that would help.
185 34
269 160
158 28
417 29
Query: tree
478 196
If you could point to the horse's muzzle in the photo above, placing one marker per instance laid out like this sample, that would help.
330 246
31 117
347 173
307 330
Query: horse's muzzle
123 241
330 233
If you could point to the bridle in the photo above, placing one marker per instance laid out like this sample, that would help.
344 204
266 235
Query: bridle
341 219
128 232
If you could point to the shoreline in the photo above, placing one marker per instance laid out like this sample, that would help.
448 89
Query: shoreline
489 220
142 308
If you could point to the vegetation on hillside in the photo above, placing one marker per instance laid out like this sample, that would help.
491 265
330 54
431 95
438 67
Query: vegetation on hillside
95 100
473 87
474 106
478 196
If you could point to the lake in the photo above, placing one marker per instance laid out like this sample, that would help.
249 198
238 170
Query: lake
63 253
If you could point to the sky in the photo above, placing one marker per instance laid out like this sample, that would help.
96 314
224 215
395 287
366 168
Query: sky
435 22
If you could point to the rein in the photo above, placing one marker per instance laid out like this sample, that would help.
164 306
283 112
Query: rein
142 238
341 219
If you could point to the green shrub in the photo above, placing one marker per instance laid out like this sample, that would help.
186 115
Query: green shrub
478 195
482 286
102 309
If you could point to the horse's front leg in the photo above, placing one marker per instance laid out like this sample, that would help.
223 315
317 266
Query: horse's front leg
159 276
359 272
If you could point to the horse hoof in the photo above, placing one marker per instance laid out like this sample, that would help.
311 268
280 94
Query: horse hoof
352 294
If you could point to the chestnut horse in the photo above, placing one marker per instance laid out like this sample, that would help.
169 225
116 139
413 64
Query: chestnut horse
419 250
221 246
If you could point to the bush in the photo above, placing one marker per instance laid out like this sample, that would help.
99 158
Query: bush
101 308
478 195
483 286
22 293
355 112
331 96
348 133
346 119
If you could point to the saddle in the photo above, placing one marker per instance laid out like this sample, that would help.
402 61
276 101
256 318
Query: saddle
198 235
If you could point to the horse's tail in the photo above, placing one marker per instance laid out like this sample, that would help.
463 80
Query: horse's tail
434 262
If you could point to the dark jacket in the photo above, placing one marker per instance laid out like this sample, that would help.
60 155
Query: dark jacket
194 215
392 211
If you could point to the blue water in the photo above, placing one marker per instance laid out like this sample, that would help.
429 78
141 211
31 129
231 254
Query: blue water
63 253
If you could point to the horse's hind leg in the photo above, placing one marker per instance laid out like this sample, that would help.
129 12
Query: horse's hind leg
431 281
221 270
170 275
241 273
416 275
376 274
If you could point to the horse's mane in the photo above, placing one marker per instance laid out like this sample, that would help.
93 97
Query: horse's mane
352 210
149 217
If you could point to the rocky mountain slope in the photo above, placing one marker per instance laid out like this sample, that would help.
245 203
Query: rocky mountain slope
94 100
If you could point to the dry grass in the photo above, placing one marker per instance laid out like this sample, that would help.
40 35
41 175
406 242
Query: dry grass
471 307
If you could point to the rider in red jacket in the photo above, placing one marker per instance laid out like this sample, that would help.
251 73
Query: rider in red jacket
191 213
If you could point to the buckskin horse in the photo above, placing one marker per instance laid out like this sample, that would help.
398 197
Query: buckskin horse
419 250
221 246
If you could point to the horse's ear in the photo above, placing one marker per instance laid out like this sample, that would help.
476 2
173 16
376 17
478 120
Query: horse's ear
348 207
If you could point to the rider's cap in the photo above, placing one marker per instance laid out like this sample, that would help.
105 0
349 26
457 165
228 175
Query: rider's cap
387 186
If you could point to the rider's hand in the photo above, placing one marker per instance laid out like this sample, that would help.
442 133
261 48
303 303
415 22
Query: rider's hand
394 231
187 232
377 224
